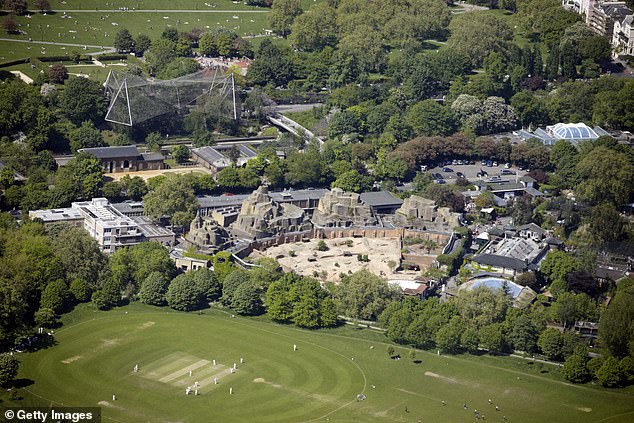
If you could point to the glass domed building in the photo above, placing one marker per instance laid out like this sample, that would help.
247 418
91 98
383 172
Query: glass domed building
572 132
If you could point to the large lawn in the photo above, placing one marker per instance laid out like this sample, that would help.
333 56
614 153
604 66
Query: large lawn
96 352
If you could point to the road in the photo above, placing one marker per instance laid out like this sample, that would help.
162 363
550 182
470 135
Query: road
289 108
106 49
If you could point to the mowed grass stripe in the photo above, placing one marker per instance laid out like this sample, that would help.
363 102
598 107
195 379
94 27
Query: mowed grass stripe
183 371
199 375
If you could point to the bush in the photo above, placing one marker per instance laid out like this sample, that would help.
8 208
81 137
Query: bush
321 245
609 374
45 317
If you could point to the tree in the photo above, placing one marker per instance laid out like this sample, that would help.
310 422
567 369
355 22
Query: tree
142 43
575 368
428 118
550 343
180 153
283 13
606 175
606 223
45 317
43 5
86 136
448 336
81 178
55 296
18 7
231 283
174 195
352 181
616 328
557 265
9 24
609 374
314 29
272 65
523 335
492 337
482 306
123 41
79 290
178 67
615 108
207 283
390 350
80 255
82 100
9 366
478 34
160 53
108 296
183 295
363 295
246 300
153 289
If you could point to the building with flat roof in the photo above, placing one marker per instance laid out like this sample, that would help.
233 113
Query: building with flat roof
107 225
125 158
110 227
50 217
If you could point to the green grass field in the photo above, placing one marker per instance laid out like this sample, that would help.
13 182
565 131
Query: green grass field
96 352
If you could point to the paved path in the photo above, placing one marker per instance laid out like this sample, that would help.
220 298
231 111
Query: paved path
53 43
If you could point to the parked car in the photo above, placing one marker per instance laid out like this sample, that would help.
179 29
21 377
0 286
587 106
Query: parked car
437 175
507 166
489 163
447 169
483 162
507 172
440 181
460 175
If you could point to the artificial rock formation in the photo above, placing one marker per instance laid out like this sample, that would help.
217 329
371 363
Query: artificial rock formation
341 209
419 212
206 235
260 217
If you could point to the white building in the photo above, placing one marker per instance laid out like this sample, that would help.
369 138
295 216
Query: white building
623 36
111 228
107 225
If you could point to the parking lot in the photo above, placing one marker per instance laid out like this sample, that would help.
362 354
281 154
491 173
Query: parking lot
451 172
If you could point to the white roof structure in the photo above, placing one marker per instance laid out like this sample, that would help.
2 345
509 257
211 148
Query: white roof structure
572 132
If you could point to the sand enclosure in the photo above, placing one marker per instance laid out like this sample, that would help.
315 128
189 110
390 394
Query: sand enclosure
341 257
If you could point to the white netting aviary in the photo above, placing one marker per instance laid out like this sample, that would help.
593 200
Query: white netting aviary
134 99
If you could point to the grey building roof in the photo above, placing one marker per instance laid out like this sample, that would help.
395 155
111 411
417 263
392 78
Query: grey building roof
112 152
298 195
209 201
533 192
208 154
151 156
532 227
380 199
128 207
500 261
